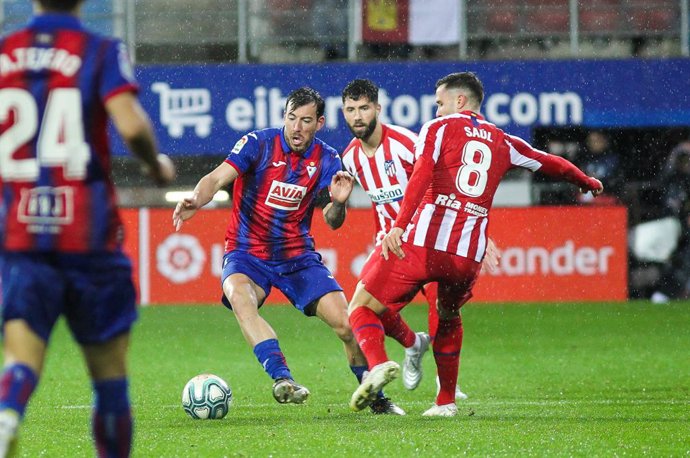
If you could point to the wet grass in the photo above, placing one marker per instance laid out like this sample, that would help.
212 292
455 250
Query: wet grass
543 380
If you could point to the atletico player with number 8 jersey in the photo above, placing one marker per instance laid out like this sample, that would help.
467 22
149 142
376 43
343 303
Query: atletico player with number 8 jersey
441 231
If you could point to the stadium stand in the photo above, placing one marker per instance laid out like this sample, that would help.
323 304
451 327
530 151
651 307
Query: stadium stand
161 31
102 15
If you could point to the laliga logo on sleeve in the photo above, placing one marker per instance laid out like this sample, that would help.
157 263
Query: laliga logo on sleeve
124 63
180 258
239 145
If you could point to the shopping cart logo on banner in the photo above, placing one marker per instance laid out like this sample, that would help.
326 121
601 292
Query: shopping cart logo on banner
180 108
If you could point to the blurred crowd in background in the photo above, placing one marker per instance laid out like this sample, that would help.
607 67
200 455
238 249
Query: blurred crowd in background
160 31
651 179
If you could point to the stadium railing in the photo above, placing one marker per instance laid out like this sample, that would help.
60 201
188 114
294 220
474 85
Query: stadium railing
160 31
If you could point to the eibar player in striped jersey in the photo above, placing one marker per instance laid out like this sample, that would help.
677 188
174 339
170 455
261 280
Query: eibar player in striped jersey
381 158
280 175
441 231
60 230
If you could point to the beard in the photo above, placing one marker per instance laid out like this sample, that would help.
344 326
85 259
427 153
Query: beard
366 133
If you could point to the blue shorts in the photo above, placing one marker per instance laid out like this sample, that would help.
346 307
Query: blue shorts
94 292
303 279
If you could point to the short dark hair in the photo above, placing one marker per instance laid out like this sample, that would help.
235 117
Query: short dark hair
464 80
59 5
304 96
356 89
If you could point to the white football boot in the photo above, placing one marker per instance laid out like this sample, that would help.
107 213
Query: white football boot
286 391
9 423
446 410
412 364
379 376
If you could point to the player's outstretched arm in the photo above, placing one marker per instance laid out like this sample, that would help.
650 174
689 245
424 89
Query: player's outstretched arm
341 187
556 166
133 124
204 191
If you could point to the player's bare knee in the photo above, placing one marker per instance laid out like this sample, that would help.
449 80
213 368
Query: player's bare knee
244 307
243 300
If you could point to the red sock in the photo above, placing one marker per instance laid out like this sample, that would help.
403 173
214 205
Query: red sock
447 355
397 328
430 291
368 331
433 321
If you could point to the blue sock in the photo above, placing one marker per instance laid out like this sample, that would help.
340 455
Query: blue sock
17 383
359 373
112 418
272 359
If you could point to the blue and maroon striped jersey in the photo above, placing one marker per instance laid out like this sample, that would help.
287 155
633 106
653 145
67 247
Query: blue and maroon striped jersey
273 198
56 190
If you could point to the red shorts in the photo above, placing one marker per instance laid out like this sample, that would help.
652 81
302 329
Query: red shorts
395 282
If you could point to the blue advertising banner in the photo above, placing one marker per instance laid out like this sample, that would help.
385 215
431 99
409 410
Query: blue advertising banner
204 109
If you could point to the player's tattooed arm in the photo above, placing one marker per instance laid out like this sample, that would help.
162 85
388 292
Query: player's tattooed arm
323 198
334 213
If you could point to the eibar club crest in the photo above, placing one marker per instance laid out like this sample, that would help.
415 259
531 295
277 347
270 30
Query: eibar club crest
389 167
311 169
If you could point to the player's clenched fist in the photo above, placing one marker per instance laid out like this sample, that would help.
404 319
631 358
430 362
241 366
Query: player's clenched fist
594 186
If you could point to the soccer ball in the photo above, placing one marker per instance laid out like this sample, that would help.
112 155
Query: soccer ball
206 396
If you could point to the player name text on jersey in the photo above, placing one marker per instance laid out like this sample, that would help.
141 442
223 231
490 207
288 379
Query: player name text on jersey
480 133
37 59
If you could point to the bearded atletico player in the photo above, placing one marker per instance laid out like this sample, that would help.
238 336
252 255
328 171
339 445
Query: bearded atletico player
441 231
381 158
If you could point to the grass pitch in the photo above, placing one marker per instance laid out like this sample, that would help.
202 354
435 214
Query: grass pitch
543 380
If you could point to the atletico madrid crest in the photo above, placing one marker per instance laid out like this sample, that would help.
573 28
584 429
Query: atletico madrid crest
389 167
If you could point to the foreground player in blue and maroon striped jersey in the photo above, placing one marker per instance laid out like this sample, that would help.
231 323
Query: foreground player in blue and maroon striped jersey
278 175
60 231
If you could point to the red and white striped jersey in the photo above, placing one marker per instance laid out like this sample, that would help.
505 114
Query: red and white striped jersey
460 161
385 175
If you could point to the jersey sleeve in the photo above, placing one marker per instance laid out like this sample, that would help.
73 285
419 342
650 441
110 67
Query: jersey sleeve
334 166
419 182
522 154
118 74
427 150
245 153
